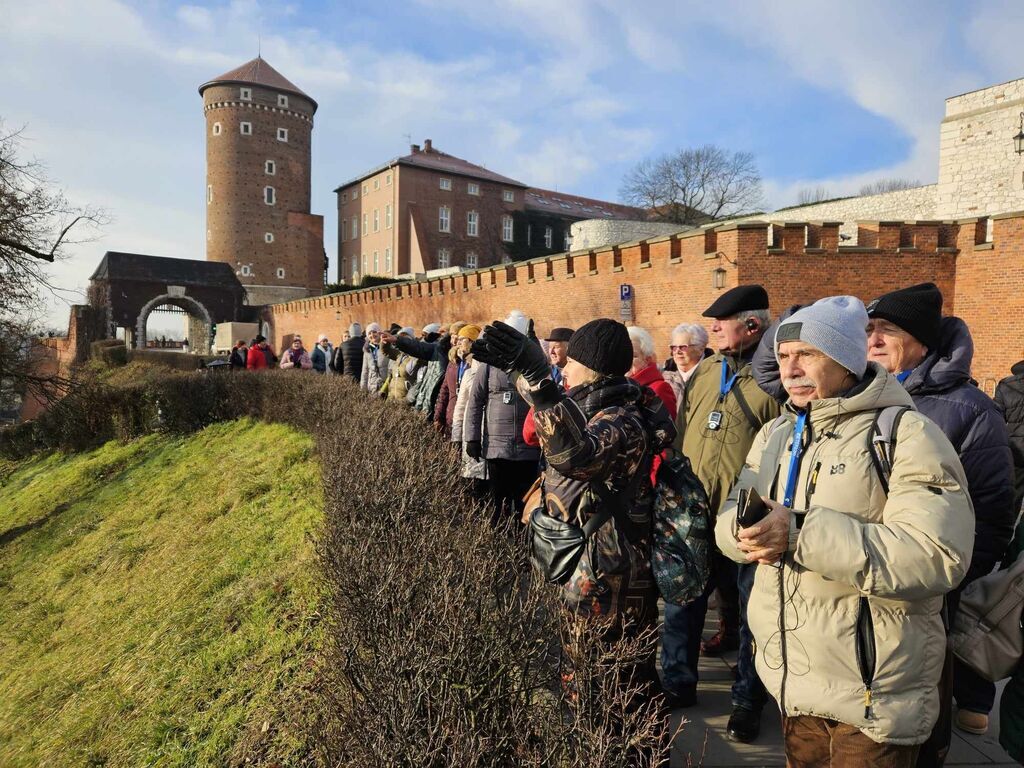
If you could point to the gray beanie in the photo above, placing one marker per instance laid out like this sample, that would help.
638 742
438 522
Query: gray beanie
355 330
836 325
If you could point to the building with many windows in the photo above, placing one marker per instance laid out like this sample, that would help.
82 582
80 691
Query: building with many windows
258 220
429 210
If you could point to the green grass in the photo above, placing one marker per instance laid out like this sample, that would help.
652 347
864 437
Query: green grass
158 600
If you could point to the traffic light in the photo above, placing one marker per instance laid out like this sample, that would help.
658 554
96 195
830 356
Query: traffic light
213 332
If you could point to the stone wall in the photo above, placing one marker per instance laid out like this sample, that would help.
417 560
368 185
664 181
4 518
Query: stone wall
979 171
601 233
673 281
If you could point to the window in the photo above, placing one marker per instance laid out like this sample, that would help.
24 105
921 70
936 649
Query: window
246 128
282 100
355 227
209 193
344 230
506 228
216 129
245 94
472 223
387 261
529 234
364 263
268 237
344 197
269 195
366 225
444 257
446 183
548 235
246 270
471 260
444 219
280 272
270 167
355 268
376 219
506 259
568 242
387 179
376 184
473 188
387 216
355 193
366 189
508 195
282 134
376 263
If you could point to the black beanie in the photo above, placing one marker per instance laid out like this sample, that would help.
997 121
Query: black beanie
602 345
917 310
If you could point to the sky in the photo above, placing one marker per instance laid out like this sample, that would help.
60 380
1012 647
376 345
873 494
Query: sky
567 95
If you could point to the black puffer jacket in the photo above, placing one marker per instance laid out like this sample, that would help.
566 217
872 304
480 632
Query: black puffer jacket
943 390
1010 399
352 357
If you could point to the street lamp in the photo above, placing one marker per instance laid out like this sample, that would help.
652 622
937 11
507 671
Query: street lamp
1018 140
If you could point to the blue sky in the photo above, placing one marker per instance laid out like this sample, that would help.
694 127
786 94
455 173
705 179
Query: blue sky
567 95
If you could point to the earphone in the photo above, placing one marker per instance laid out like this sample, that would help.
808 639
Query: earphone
752 324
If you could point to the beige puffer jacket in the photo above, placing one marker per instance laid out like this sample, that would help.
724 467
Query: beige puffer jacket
860 559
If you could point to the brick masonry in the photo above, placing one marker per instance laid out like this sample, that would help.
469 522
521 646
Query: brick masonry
673 277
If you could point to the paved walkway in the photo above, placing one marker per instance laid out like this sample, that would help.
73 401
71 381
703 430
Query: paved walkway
703 736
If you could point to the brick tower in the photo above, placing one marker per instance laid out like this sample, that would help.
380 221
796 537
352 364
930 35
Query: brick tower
258 130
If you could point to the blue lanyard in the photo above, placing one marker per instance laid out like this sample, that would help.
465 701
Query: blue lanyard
461 370
901 377
726 386
794 459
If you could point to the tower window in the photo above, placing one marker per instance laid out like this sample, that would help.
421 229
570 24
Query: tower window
473 188
268 237
282 134
506 228
270 167
445 183
209 193
246 270
246 128
472 223
245 94
282 100
269 195
471 260
280 272
444 257
444 219
216 129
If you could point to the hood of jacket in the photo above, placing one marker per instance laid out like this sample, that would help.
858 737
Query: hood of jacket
1017 369
947 367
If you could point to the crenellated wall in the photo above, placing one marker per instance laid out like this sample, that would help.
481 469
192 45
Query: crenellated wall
673 279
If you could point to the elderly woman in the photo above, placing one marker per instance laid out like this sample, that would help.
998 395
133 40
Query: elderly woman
375 362
689 342
296 357
400 369
644 369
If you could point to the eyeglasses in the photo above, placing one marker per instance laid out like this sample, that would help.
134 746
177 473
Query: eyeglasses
680 347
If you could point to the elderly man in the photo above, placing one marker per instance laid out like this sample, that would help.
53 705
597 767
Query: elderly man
861 540
722 413
689 343
558 345
931 356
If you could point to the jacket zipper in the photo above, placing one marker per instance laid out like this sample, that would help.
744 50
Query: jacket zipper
866 651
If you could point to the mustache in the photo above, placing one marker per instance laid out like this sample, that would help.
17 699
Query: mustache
802 381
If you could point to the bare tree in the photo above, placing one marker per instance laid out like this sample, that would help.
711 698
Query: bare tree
812 195
36 227
693 186
888 185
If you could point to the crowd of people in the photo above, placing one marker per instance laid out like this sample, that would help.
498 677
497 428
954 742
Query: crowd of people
857 477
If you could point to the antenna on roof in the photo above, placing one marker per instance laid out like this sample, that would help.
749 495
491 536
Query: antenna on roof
259 38
407 137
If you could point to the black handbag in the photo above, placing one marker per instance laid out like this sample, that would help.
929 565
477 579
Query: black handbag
556 546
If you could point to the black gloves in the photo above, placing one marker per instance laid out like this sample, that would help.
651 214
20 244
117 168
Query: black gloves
504 347
473 450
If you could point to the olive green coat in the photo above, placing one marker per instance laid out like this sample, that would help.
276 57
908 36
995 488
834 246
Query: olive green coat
717 456
1011 706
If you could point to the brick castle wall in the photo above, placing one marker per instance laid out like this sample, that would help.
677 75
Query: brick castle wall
673 280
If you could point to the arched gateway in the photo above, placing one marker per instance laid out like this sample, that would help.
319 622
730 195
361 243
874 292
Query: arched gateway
130 286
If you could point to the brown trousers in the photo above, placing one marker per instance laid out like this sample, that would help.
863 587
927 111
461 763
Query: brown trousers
813 742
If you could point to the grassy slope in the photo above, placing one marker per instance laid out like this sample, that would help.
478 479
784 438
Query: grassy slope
164 611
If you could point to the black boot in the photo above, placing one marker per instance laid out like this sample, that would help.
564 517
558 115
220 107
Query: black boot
744 725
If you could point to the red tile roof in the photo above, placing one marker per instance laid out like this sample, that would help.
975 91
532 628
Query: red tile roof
560 203
258 72
436 160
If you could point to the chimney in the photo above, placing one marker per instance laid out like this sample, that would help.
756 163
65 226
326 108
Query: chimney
415 148
427 145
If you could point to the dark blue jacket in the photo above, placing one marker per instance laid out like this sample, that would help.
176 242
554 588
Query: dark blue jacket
944 391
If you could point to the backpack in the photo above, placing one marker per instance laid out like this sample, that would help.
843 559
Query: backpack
681 531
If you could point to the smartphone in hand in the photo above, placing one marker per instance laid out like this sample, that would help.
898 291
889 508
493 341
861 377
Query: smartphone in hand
753 509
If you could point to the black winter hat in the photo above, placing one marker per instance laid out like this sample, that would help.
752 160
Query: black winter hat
917 310
602 345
